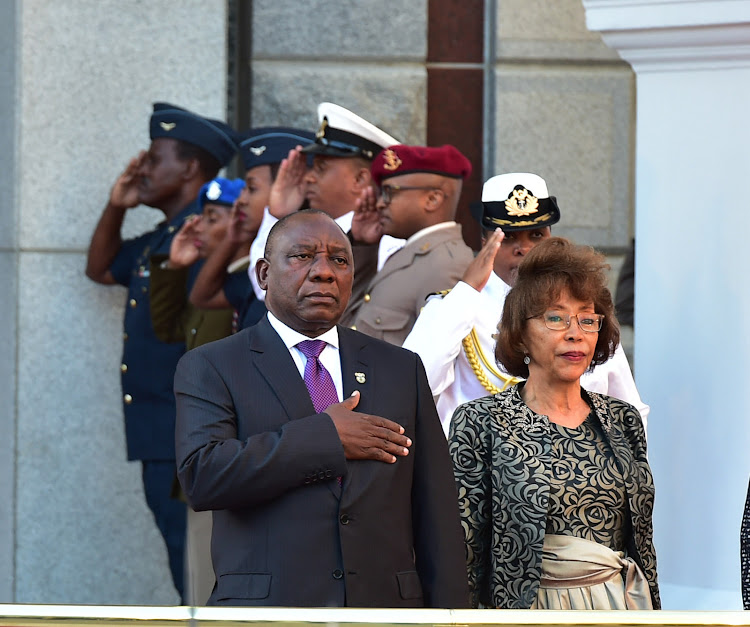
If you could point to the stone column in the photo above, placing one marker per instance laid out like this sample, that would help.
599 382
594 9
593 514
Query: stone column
692 62
78 79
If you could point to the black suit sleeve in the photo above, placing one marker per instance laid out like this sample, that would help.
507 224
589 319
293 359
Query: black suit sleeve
221 468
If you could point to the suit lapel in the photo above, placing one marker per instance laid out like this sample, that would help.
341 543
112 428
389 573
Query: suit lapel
355 371
356 374
276 366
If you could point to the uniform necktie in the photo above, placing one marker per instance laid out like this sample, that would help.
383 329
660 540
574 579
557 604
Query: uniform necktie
317 379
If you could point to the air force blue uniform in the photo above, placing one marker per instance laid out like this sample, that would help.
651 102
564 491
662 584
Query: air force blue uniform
148 365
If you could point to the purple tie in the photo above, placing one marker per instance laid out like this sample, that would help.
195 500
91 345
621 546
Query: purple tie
317 379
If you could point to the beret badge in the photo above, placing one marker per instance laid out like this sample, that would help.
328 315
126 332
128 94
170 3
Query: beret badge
521 202
167 126
214 191
257 151
392 161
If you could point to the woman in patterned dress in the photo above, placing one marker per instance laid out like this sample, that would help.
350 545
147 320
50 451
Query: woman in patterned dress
555 490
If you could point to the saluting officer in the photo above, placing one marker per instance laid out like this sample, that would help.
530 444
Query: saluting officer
344 148
419 192
186 151
454 334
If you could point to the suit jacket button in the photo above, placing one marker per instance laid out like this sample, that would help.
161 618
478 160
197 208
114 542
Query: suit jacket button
344 519
338 574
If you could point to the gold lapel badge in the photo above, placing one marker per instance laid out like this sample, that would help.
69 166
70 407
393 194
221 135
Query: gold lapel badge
360 377
521 202
167 126
392 160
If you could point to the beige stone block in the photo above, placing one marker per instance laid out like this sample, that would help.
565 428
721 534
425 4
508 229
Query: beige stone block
9 107
381 29
8 304
84 533
547 29
90 72
391 96
573 127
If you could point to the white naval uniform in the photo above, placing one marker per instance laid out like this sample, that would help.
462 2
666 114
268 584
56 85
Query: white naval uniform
445 321
388 245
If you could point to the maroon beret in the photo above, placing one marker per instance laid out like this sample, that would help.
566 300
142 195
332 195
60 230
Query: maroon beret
399 159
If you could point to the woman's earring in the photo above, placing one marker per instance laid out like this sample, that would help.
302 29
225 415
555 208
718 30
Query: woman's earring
527 360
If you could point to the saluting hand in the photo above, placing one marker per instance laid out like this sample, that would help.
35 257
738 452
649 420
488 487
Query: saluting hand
365 436
183 252
479 270
124 193
366 227
288 190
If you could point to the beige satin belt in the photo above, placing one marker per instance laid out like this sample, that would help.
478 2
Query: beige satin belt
579 574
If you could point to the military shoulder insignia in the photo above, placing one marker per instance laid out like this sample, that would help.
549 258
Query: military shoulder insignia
392 161
257 151
214 191
521 202
441 293
167 126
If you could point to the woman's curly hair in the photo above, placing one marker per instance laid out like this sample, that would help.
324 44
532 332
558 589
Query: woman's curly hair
552 267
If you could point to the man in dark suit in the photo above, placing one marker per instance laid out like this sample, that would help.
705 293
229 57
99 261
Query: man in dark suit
318 502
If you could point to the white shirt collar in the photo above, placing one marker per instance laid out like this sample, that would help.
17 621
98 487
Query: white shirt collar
291 338
345 222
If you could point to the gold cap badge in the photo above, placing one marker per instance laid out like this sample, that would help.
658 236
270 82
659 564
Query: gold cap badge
322 130
521 202
167 126
392 160
258 151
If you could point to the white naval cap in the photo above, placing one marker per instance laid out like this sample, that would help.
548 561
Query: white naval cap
518 201
345 134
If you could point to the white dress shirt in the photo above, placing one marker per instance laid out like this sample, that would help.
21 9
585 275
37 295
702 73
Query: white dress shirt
329 357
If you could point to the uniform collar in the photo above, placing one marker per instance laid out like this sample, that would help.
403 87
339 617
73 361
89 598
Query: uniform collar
496 288
428 230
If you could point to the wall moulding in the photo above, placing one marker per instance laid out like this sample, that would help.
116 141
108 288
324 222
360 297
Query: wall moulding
656 35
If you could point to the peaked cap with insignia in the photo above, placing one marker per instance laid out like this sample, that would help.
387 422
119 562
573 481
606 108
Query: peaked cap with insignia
446 160
214 136
220 191
345 134
516 202
271 144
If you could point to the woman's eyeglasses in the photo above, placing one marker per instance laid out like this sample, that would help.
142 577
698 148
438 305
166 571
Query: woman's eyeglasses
556 321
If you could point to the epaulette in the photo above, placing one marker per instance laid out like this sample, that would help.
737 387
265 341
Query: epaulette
441 293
